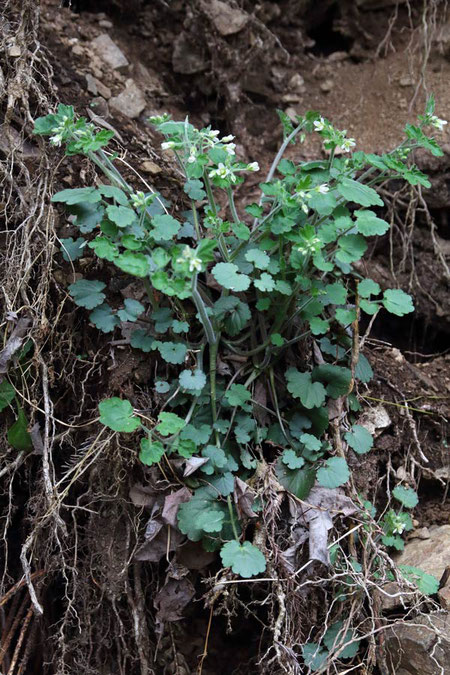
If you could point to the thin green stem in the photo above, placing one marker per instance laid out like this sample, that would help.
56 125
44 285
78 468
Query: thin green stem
233 524
234 213
204 318
196 225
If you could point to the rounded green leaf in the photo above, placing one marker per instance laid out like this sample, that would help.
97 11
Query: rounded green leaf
228 276
87 293
245 560
117 414
135 264
406 496
334 473
151 452
359 439
169 423
397 302
193 380
121 215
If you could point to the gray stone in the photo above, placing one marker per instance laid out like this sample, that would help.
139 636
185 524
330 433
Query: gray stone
420 646
109 52
430 555
227 20
130 102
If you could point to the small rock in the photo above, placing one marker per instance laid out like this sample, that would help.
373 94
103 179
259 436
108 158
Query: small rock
227 20
14 51
78 50
292 114
444 597
430 555
420 646
109 52
96 87
327 86
336 57
150 167
100 107
420 533
187 57
406 82
291 98
104 23
130 102
297 83
375 420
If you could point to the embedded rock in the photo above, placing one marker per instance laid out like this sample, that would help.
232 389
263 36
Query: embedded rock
431 555
109 52
130 102
227 20
420 646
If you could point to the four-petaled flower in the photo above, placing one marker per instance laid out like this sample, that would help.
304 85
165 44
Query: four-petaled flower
253 166
347 144
168 145
323 189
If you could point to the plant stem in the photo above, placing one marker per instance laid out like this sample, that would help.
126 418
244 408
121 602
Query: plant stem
204 318
233 524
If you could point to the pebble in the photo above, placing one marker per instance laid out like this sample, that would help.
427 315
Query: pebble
327 86
130 102
109 52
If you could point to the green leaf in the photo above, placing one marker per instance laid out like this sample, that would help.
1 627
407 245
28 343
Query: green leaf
244 559
334 473
359 439
358 193
265 283
259 259
163 319
318 326
277 340
254 210
117 414
310 442
193 381
237 395
223 482
199 435
87 216
336 294
241 231
263 304
234 314
201 514
367 287
314 656
194 189
179 327
369 224
113 192
89 195
103 318
217 459
333 643
164 227
151 451
406 496
291 460
228 276
7 393
184 447
169 424
72 250
283 287
104 248
172 352
17 434
345 316
87 293
363 370
351 248
300 385
130 242
429 144
162 387
300 481
121 215
397 302
131 311
337 378
135 264
141 340
426 583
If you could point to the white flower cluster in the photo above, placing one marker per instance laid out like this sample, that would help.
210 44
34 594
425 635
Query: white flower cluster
229 170
346 144
303 195
58 137
188 255
140 200
204 140
309 246
437 122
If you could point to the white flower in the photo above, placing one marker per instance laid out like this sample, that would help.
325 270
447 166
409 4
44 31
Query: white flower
213 133
319 125
347 144
323 189
227 139
305 208
253 166
56 139
438 123
399 528
230 148
310 246
222 171
195 264
168 145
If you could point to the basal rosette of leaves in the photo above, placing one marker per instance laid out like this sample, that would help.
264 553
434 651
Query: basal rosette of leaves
273 289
